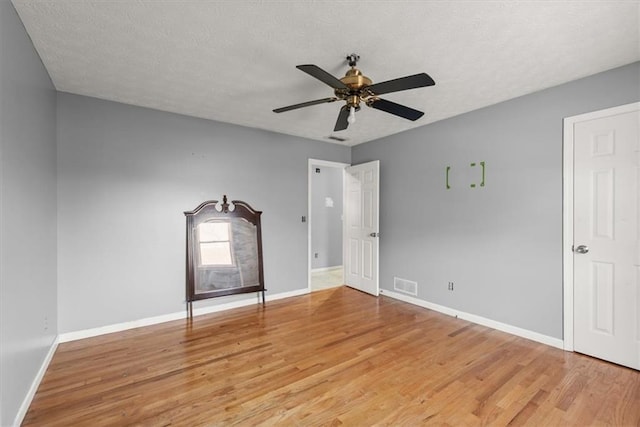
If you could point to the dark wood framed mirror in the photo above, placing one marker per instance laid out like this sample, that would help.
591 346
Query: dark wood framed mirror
224 251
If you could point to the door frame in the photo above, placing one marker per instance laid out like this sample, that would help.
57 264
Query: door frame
567 210
311 165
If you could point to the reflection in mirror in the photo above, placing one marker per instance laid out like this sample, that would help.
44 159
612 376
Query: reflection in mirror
228 254
214 242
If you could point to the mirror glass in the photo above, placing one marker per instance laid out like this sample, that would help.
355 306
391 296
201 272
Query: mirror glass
226 254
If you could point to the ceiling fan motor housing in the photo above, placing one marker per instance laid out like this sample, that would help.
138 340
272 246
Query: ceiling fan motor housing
355 81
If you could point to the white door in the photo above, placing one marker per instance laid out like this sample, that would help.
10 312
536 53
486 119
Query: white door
606 236
361 227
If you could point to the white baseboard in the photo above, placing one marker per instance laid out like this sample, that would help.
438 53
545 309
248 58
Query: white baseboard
118 327
513 330
322 269
35 384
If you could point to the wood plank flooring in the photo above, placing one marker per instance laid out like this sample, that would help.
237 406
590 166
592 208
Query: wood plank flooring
333 357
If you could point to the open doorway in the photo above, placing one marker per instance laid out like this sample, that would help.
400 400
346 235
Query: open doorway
326 214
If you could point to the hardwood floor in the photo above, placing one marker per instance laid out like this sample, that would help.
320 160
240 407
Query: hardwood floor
333 357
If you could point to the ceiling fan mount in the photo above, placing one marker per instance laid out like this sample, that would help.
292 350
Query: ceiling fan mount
355 87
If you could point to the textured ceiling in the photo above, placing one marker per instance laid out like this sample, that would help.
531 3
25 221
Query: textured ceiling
234 61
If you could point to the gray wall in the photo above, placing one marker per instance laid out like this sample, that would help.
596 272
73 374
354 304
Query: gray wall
28 306
126 175
501 245
326 221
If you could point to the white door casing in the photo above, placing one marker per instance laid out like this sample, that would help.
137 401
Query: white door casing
361 227
602 284
312 164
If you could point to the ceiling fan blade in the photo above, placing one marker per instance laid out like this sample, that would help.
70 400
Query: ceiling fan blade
342 123
396 109
304 104
322 75
403 83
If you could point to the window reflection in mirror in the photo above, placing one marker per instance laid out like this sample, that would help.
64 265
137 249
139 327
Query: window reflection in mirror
214 240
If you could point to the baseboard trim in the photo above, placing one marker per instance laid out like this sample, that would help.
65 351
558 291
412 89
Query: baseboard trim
510 329
322 269
22 411
119 327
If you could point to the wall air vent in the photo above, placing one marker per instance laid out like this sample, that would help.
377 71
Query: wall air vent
405 286
337 138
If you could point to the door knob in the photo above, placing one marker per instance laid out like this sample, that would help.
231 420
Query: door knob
374 234
582 249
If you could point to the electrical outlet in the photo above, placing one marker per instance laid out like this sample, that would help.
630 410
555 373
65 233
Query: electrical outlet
315 255
450 286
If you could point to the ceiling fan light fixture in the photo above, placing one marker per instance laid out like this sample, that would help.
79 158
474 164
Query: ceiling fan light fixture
352 115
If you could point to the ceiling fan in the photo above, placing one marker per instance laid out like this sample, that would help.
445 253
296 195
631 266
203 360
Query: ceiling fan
355 87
